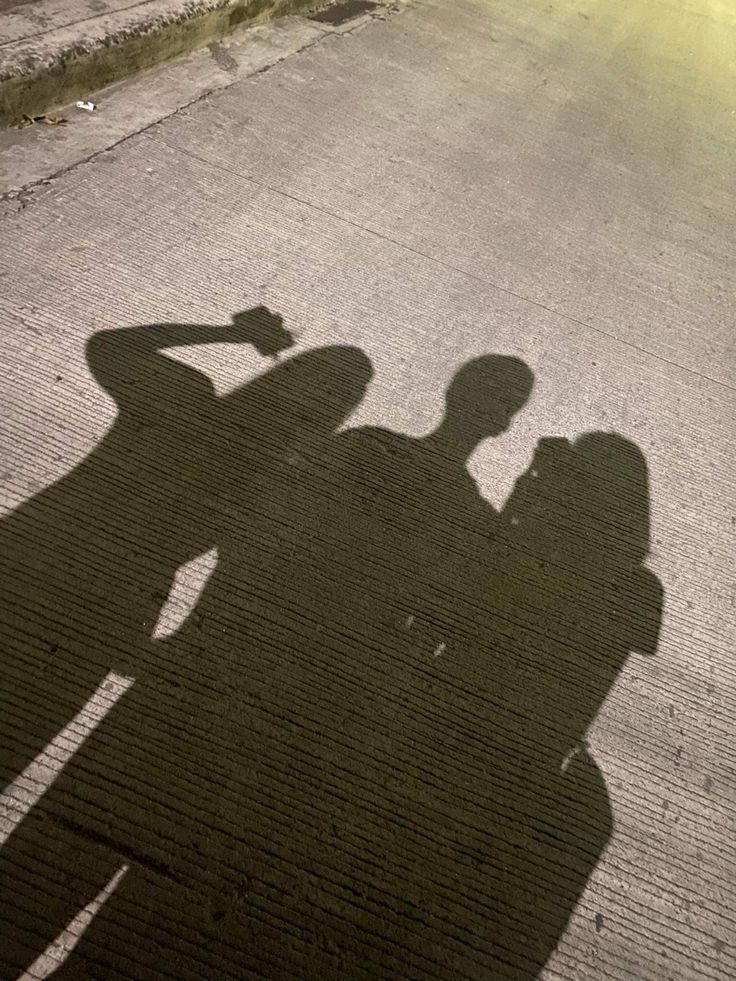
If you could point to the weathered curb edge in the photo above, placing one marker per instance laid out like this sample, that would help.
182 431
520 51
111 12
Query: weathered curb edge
120 45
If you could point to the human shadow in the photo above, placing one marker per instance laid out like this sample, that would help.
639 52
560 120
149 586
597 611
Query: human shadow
87 563
363 754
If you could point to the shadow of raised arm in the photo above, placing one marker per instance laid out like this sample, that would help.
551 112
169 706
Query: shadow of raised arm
130 362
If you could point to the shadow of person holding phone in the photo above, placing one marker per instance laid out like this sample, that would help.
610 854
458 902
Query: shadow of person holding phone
90 563
86 564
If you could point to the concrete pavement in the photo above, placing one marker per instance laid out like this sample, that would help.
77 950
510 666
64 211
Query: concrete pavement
301 680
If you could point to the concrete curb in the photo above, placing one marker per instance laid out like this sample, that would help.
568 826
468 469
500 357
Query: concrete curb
52 67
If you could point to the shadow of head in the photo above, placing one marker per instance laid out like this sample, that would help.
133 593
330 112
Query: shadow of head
485 395
264 330
310 394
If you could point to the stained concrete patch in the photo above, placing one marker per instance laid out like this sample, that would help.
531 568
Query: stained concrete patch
222 57
339 13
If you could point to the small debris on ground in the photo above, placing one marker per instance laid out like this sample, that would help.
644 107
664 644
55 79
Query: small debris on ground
45 118
87 106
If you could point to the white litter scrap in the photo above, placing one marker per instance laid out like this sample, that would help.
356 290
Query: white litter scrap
87 106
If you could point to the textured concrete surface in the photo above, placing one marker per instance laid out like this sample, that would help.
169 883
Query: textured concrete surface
31 155
408 654
54 51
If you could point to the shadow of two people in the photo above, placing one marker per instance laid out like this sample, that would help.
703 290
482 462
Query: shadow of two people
363 753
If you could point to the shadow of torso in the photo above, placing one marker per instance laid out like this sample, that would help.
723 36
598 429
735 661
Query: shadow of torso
358 744
87 563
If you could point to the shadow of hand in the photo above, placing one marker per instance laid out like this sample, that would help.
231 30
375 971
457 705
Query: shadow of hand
264 330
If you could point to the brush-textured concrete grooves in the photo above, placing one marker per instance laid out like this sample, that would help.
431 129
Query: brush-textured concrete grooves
55 66
362 740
